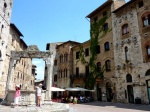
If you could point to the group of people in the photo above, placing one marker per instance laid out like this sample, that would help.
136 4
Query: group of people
74 100
38 95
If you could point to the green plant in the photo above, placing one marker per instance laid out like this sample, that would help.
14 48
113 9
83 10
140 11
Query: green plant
96 32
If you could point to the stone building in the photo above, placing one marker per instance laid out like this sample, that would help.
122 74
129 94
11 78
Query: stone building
51 47
10 41
80 70
131 50
105 53
5 15
22 70
65 64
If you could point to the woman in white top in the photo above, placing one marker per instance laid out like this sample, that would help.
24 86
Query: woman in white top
39 94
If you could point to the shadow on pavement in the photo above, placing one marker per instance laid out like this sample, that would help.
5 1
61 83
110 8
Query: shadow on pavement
120 105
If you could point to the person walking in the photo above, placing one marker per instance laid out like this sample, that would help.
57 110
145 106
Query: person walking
17 95
39 94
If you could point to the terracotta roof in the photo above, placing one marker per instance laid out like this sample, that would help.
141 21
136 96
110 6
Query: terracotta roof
16 29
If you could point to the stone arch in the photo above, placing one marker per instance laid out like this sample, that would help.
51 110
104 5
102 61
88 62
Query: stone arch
31 52
146 13
129 78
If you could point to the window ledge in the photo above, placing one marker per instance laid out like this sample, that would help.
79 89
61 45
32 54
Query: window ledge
126 35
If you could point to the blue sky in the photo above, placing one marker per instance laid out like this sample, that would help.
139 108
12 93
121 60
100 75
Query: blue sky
47 21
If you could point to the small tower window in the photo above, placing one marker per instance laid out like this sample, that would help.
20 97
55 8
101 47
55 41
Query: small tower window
4 8
126 53
125 29
140 4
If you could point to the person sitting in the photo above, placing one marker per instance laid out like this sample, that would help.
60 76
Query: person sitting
74 100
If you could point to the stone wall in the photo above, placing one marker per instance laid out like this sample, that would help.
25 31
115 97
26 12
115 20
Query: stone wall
134 65
26 97
5 15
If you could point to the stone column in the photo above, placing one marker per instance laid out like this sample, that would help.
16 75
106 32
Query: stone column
9 77
49 64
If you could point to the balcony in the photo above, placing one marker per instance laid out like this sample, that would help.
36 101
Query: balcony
75 76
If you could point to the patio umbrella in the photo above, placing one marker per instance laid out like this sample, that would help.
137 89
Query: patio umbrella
76 89
56 89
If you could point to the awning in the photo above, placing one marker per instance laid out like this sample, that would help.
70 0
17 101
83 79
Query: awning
56 89
77 89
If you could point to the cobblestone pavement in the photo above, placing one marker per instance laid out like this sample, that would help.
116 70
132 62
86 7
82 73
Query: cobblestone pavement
85 107
108 107
44 108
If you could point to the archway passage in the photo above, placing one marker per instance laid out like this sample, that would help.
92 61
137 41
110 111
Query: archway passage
31 52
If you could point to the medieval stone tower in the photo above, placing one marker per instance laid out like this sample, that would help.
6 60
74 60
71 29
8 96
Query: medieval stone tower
5 15
117 4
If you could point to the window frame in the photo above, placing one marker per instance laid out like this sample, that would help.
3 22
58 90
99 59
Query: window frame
108 65
77 55
87 52
125 29
106 46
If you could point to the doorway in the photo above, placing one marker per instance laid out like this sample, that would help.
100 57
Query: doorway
130 94
108 92
148 89
99 93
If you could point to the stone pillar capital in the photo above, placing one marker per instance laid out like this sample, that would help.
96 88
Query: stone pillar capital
48 61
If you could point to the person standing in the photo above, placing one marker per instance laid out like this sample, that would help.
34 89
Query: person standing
39 94
17 95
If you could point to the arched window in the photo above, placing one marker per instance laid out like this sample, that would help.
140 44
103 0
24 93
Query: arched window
128 78
125 29
55 78
65 57
146 20
106 46
4 8
64 72
107 65
147 73
61 58
126 53
61 72
98 66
